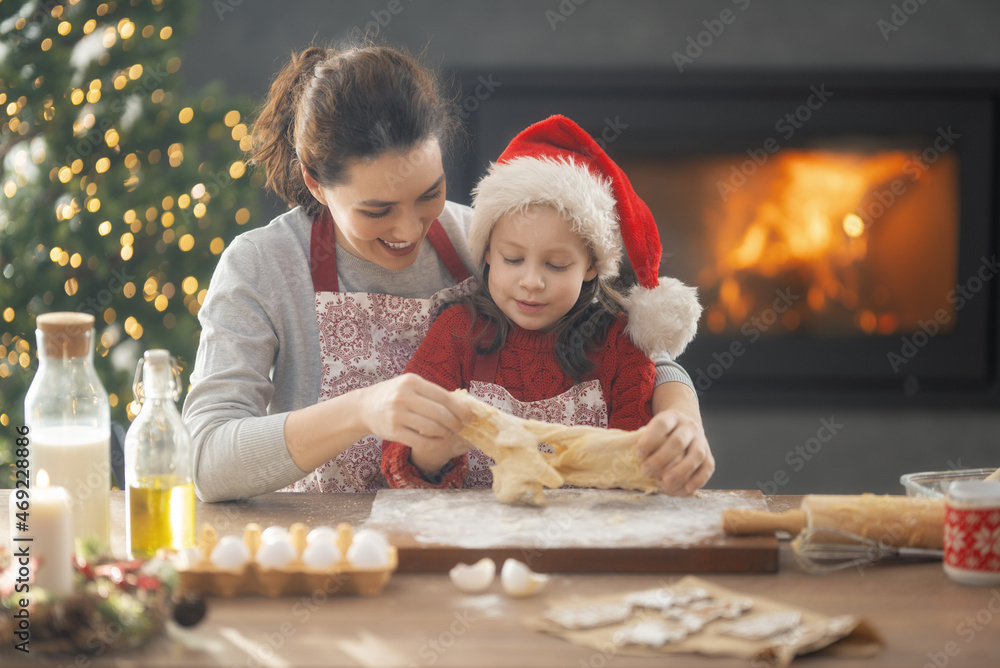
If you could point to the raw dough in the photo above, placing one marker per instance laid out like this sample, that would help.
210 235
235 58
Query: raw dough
583 456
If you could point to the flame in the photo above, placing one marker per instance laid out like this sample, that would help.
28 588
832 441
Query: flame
43 478
854 226
802 216
860 242
804 220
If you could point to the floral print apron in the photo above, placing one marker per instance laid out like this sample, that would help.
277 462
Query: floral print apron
582 404
366 338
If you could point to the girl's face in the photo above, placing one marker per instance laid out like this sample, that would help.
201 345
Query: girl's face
537 267
383 211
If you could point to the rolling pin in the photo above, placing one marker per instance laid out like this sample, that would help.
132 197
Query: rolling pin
900 521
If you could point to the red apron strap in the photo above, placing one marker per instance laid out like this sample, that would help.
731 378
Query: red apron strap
485 368
323 254
446 251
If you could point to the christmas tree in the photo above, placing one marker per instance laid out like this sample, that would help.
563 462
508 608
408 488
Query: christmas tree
119 190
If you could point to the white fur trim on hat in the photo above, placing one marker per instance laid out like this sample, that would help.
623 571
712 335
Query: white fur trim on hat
572 189
664 318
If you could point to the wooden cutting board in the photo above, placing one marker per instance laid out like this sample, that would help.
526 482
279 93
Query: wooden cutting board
579 530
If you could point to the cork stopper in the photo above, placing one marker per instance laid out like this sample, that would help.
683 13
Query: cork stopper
66 334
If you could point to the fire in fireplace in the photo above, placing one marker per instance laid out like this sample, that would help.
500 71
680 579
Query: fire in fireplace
853 242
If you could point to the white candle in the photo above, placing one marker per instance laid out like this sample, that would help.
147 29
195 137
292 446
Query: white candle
48 538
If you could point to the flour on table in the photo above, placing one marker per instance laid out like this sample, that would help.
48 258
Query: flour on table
489 605
472 518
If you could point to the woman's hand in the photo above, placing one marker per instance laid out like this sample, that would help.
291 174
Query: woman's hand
418 413
673 450
407 409
413 411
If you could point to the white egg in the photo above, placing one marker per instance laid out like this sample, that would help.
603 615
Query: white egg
519 581
370 535
321 554
475 578
328 534
271 534
276 554
368 550
230 553
189 557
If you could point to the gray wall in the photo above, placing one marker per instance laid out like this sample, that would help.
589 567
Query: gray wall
244 42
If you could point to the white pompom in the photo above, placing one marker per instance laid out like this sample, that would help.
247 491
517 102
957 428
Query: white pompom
664 318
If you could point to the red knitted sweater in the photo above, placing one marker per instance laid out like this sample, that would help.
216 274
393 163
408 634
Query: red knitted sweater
529 369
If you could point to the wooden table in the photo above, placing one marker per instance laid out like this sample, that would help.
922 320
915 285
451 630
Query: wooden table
422 620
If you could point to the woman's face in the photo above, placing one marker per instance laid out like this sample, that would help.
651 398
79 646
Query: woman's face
383 211
537 266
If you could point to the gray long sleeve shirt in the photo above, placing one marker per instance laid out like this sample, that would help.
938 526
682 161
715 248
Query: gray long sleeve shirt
259 356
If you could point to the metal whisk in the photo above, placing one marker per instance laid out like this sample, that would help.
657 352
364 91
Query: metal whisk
821 550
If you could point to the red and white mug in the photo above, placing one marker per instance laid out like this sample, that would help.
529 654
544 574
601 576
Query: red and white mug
972 533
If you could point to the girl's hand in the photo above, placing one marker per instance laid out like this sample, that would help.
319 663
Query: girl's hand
413 411
430 459
673 450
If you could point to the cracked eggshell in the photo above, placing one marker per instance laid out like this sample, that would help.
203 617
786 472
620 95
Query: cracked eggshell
230 553
474 578
520 581
276 554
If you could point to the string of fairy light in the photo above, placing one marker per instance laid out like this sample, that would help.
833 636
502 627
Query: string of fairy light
83 178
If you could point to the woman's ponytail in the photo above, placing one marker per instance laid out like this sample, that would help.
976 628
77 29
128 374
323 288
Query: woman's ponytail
273 133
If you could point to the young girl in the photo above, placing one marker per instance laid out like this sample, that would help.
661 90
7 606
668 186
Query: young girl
546 336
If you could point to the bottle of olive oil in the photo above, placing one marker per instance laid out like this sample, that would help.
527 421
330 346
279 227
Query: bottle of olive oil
159 481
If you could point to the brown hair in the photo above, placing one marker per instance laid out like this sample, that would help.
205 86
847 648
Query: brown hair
582 330
327 108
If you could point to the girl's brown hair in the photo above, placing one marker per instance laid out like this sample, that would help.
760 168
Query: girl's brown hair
581 331
327 108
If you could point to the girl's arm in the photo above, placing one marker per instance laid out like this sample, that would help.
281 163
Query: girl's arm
629 377
674 449
440 359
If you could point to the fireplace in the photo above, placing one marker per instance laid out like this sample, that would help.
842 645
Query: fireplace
841 228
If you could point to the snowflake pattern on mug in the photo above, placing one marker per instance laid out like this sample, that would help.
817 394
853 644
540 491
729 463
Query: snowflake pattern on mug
987 540
972 539
954 536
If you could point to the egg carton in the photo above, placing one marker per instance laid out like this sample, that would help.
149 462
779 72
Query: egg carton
205 578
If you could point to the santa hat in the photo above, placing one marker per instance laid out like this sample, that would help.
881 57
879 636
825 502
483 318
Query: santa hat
554 162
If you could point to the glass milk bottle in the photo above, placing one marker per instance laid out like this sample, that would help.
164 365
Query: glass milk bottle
159 465
69 419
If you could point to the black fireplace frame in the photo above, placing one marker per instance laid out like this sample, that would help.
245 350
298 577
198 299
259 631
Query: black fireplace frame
637 111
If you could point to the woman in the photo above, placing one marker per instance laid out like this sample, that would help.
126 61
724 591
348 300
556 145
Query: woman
310 320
